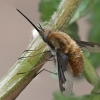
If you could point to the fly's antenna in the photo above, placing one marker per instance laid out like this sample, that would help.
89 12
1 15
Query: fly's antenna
37 28
40 27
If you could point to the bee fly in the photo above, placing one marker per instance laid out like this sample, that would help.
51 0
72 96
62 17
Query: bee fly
67 53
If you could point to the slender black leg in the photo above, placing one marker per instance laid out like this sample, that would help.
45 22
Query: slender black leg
39 72
33 55
46 71
34 50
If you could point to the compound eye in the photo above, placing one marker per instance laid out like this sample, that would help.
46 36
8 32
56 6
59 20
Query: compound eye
45 38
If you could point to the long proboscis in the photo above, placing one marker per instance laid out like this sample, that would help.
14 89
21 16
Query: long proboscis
30 22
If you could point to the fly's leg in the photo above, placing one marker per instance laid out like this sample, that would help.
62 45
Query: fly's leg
34 50
46 71
33 55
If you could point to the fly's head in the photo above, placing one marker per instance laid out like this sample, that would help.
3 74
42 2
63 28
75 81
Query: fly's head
47 35
43 33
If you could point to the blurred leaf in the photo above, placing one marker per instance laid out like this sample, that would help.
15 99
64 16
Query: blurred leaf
59 96
91 97
72 30
94 34
47 8
84 8
94 58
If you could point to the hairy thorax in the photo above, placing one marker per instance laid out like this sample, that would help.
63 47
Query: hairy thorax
60 40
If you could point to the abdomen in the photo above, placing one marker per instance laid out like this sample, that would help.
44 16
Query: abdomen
68 46
75 58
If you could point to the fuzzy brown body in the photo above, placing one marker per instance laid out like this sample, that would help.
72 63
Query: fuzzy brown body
70 48
60 40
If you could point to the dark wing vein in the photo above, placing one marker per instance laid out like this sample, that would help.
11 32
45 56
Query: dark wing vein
89 46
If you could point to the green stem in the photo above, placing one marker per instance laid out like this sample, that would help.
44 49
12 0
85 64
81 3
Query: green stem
91 75
13 83
63 16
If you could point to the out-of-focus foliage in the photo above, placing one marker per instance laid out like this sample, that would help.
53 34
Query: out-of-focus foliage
95 22
58 96
47 8
72 30
94 33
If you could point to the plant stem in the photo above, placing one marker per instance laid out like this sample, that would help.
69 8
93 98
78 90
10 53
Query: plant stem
91 75
65 12
13 83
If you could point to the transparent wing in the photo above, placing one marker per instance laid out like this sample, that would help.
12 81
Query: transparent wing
65 74
89 46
